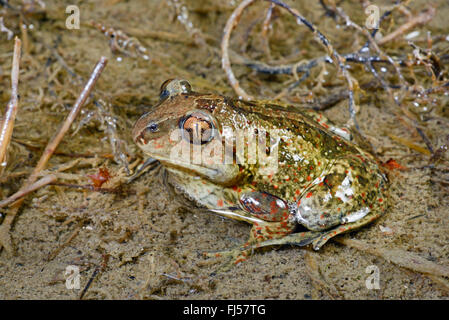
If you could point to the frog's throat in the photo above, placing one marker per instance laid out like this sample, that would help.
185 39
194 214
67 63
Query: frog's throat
225 174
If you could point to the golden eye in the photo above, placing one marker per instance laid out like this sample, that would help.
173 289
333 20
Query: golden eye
197 128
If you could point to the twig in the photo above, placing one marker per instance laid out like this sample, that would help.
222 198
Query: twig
226 63
13 104
5 240
72 236
32 187
98 269
402 259
338 60
117 190
53 144
421 19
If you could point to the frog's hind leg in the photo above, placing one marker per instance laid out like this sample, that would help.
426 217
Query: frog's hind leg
300 239
325 236
241 253
352 194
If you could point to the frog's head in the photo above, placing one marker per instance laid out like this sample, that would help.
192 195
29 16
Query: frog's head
181 128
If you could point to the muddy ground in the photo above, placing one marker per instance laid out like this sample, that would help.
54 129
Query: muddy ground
141 243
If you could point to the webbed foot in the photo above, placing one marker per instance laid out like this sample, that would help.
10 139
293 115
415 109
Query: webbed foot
232 257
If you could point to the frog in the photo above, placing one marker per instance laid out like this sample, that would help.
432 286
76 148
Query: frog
321 185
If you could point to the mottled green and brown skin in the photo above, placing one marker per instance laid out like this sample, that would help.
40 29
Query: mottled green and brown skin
323 181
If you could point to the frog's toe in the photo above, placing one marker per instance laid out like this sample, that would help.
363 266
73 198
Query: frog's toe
216 254
320 241
232 257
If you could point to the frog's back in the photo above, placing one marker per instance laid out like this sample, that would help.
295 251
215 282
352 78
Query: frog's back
306 150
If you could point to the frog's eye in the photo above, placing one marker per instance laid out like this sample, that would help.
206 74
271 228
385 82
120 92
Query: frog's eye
197 128
152 127
173 87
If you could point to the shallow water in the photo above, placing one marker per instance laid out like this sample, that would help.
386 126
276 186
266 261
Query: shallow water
151 240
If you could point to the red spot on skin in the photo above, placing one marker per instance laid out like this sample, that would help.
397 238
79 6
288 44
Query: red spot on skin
309 195
325 125
309 178
319 163
321 184
363 194
297 192
380 200
234 188
346 171
287 179
220 202
311 167
275 186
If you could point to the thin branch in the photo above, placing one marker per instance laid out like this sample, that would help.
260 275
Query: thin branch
11 109
24 191
421 19
226 63
5 239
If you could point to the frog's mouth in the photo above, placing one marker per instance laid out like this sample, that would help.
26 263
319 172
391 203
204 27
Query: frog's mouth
223 174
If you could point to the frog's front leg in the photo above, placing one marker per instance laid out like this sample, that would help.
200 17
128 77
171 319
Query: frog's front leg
270 219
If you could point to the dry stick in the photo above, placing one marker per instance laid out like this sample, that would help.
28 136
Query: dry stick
30 188
11 109
421 19
338 60
376 48
226 63
72 236
403 259
5 239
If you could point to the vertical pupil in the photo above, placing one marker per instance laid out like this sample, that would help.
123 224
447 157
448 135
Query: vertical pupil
197 129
